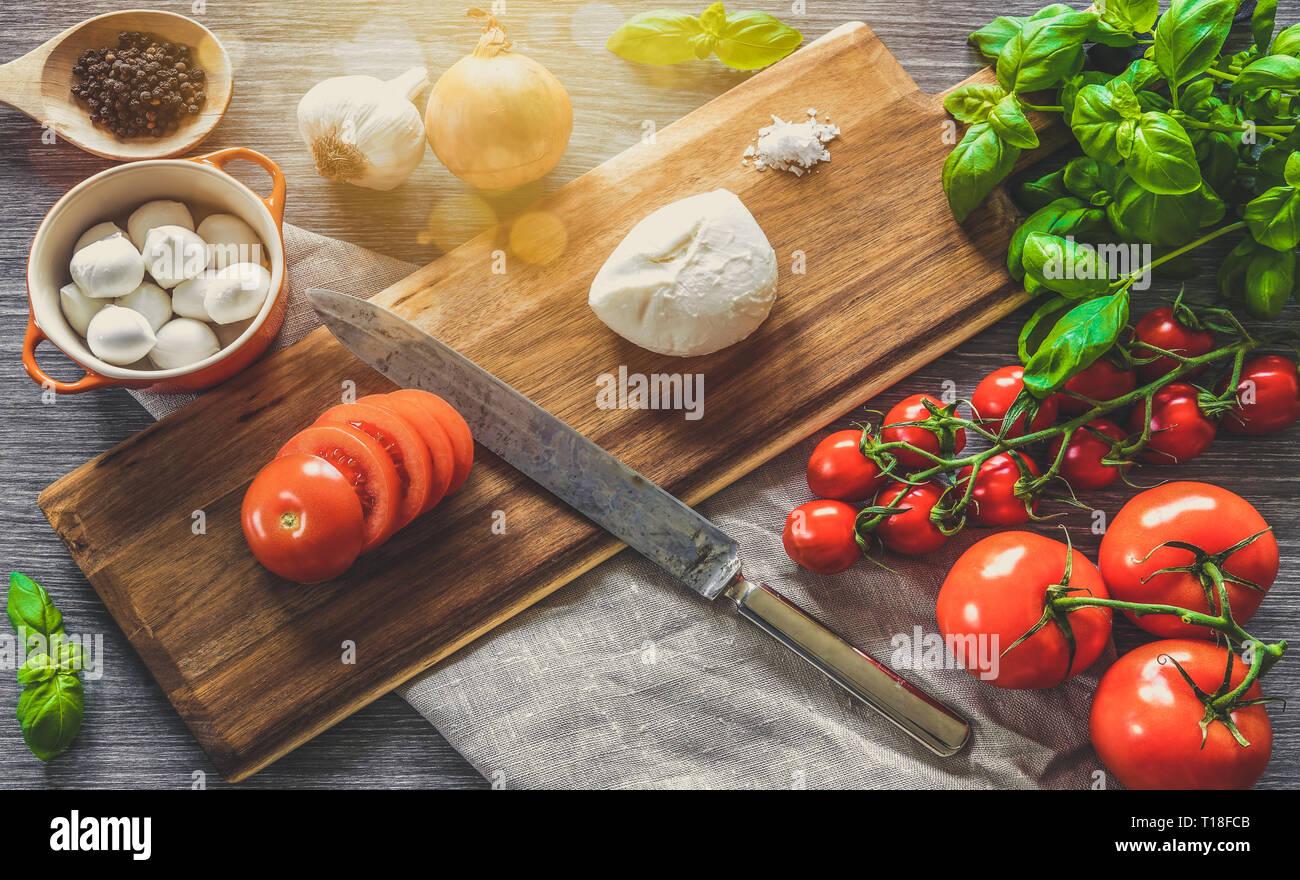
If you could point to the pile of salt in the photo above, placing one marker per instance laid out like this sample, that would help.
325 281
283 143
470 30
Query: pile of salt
792 146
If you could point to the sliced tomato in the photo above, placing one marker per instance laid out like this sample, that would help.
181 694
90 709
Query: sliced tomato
432 433
403 445
368 469
462 442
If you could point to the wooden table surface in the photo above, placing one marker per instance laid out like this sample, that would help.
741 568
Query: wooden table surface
132 737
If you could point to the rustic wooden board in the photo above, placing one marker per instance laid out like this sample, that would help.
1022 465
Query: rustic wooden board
254 664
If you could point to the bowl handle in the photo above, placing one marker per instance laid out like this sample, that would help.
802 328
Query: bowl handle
275 201
34 338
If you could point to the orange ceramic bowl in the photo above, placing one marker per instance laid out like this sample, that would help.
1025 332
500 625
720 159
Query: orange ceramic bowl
113 194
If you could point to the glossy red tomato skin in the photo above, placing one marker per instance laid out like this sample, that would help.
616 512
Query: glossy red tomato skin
838 470
1180 431
820 536
993 500
1268 397
912 409
1161 329
1145 721
1199 514
997 391
1082 466
410 454
998 587
454 423
1102 380
911 532
302 519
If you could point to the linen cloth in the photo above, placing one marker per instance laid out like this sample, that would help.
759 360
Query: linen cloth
624 679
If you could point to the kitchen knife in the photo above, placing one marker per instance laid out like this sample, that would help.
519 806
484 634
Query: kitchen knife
625 504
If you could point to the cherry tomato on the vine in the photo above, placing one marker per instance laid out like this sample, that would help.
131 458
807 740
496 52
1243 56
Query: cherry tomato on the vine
1101 380
820 536
1180 431
1268 396
912 409
997 391
1082 466
837 469
911 531
993 500
1162 329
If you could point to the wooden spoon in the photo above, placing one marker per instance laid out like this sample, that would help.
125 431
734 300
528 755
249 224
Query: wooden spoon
39 83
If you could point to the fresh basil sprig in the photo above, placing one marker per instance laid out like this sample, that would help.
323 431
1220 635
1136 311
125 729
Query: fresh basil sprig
745 40
52 702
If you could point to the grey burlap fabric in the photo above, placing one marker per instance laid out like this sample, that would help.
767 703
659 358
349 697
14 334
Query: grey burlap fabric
624 679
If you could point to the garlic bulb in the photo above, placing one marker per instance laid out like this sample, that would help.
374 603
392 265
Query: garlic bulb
365 131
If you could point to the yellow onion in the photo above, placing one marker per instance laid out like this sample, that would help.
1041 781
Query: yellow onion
498 119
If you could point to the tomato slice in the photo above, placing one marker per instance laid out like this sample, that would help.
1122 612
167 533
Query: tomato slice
368 469
431 432
403 445
462 442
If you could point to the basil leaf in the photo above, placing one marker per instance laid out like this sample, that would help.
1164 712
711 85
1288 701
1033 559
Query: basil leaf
1093 181
1008 120
1190 36
1163 220
1085 333
1071 89
1287 42
1136 16
1052 10
1098 115
1262 22
30 607
1065 216
1067 267
1270 72
661 36
972 103
1270 279
37 668
1274 217
1217 156
974 167
1044 52
1111 34
751 40
50 713
1291 171
990 39
1035 194
1038 325
1139 74
1159 155
1231 276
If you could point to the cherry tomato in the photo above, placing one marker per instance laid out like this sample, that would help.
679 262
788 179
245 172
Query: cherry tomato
1163 330
434 435
1146 721
1102 380
409 453
1082 466
996 592
368 469
462 441
839 470
997 391
1199 514
993 500
1180 431
302 519
912 409
1268 396
911 531
819 536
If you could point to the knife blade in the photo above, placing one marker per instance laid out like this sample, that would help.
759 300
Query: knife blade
624 503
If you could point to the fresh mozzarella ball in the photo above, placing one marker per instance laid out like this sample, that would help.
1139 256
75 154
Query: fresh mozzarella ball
230 240
78 308
108 268
174 254
187 298
151 301
98 232
237 292
228 333
119 336
151 215
182 342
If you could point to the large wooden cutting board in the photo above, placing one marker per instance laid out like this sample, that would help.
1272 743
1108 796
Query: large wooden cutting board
255 665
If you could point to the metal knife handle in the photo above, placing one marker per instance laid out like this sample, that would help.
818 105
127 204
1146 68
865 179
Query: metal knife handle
922 717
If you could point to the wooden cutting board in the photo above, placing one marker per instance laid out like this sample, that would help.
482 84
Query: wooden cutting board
256 665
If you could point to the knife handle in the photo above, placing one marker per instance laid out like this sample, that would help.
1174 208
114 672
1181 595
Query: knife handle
919 715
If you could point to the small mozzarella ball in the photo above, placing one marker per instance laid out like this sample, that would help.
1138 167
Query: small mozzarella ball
119 336
187 298
230 240
78 308
98 232
237 292
227 334
151 301
108 268
174 254
151 215
182 342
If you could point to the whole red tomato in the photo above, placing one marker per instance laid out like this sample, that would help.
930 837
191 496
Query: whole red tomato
1268 396
1163 330
1082 466
997 391
1146 721
1180 431
302 519
820 536
912 409
1102 380
911 531
993 500
1199 514
839 470
997 591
